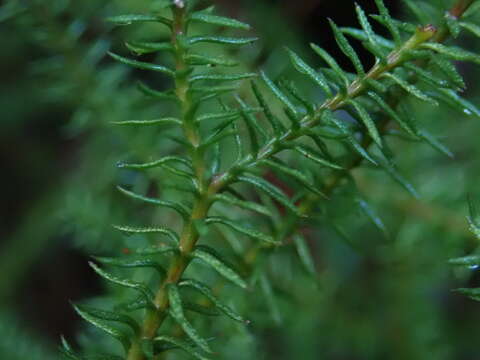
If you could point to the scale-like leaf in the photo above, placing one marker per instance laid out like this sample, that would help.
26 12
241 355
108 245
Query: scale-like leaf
219 266
304 68
142 65
202 16
241 229
270 190
207 292
176 310
347 49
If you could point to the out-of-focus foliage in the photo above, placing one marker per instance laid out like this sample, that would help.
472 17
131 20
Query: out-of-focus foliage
382 286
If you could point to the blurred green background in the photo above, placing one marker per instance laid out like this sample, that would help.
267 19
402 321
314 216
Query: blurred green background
375 298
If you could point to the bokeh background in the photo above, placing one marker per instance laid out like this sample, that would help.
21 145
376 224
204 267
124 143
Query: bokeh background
378 298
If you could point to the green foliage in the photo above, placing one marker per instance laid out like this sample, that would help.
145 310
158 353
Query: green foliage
264 125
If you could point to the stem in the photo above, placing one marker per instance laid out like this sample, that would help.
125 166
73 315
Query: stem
189 235
356 88
206 190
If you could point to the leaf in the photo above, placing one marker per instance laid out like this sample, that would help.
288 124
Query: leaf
148 230
347 49
427 76
197 59
207 292
206 18
470 261
143 47
220 266
372 215
459 103
156 250
142 65
179 208
473 294
362 36
452 24
221 40
131 263
304 68
327 116
182 345
270 190
388 21
281 96
123 282
136 18
304 253
395 175
162 121
367 121
243 230
276 124
155 93
452 52
362 18
248 205
393 114
449 70
437 145
113 332
155 163
332 63
312 155
295 174
176 310
221 77
110 316
474 217
138 303
411 89
474 29
270 298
